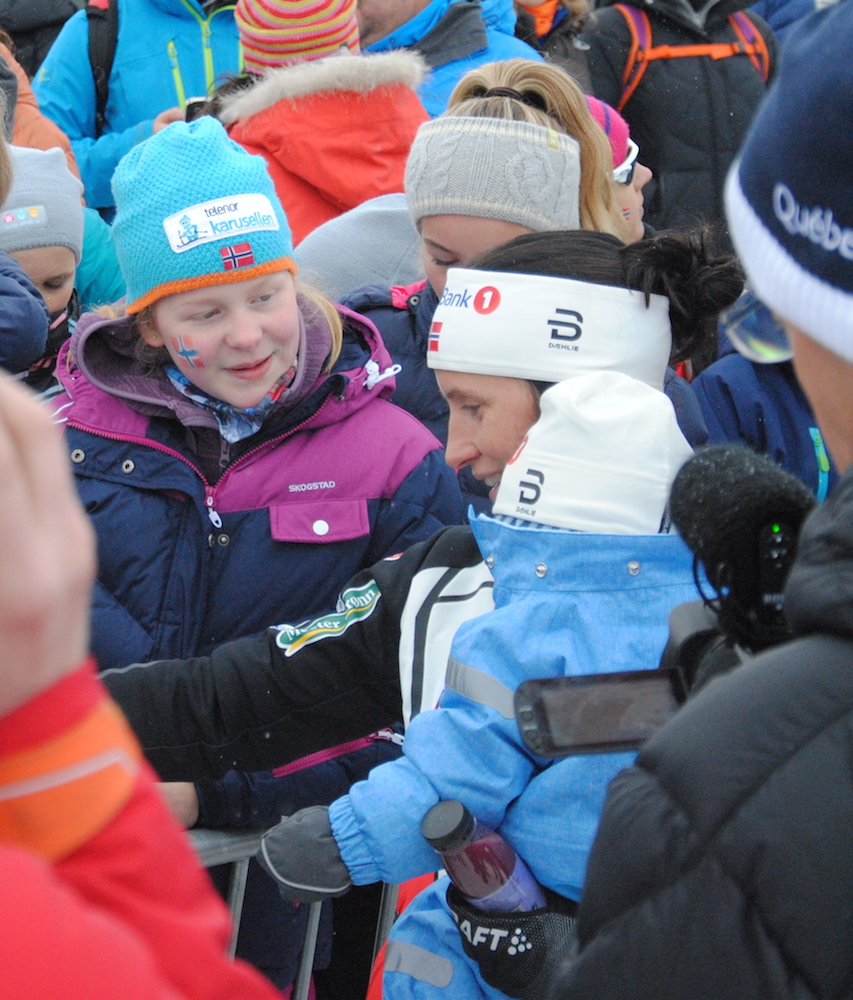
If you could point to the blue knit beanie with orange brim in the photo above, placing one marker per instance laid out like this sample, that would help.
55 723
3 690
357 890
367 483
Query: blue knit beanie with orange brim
194 209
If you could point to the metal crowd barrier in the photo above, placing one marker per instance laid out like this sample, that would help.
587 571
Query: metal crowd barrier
222 847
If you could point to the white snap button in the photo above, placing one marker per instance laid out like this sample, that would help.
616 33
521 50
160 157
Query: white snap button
78 456
633 568
127 466
320 527
541 569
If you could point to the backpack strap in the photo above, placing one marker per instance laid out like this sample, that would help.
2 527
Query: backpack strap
641 41
753 42
750 42
103 37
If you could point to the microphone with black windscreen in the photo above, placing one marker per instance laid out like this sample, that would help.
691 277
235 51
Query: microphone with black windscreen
740 514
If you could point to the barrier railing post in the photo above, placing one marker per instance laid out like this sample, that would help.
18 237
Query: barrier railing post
224 847
302 983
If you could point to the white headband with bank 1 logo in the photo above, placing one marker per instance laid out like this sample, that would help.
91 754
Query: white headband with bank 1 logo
547 329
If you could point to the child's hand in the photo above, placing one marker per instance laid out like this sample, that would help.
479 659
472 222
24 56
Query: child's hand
166 118
302 857
47 553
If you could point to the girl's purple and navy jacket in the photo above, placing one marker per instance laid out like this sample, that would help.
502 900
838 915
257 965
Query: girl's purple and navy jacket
323 490
327 488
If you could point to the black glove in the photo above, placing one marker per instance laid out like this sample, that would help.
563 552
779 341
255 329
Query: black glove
302 858
520 954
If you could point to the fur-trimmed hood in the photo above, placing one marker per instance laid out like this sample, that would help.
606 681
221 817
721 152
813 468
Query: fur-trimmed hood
358 74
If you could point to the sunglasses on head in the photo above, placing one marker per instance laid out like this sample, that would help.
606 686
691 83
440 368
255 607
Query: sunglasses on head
624 173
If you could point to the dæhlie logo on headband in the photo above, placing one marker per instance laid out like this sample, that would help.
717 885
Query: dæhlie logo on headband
235 215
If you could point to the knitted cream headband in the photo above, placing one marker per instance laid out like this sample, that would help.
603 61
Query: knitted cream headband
547 329
494 168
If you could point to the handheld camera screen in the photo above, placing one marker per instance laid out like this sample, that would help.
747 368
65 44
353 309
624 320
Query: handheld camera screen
601 713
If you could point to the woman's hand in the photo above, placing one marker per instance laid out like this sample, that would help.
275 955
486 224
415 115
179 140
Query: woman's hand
182 799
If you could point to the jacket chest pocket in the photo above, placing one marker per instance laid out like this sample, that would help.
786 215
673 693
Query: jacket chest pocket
319 520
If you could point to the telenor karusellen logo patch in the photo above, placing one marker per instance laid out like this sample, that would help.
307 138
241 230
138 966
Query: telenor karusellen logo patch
235 215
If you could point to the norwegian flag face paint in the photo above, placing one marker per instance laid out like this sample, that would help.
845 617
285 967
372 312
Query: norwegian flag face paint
183 347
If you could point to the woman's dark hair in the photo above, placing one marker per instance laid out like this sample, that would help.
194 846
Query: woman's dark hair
683 265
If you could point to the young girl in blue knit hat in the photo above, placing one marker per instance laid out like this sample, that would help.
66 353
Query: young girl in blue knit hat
231 438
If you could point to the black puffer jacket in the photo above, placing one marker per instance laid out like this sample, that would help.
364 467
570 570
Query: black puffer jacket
689 114
33 25
723 865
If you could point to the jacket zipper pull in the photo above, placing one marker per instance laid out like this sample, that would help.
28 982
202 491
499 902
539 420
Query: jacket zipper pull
215 519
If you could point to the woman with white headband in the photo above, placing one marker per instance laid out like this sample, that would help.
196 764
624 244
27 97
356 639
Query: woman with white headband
593 597
383 651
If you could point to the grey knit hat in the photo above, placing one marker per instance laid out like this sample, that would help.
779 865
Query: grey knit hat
494 168
43 208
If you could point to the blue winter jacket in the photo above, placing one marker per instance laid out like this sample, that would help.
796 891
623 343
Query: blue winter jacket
782 15
455 36
23 318
765 407
167 51
339 481
601 605
99 280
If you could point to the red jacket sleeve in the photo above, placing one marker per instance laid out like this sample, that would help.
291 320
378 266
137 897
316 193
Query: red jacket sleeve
119 910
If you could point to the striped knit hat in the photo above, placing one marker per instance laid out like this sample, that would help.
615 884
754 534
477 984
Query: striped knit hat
281 32
195 209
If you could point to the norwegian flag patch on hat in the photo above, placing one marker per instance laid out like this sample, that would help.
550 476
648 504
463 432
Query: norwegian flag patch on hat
239 255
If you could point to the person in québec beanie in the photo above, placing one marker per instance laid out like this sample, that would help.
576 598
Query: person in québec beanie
723 866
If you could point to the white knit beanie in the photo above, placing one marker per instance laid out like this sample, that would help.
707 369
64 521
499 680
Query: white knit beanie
494 168
601 458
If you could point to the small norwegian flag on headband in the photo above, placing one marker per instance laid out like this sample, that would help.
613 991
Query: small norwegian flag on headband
239 255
